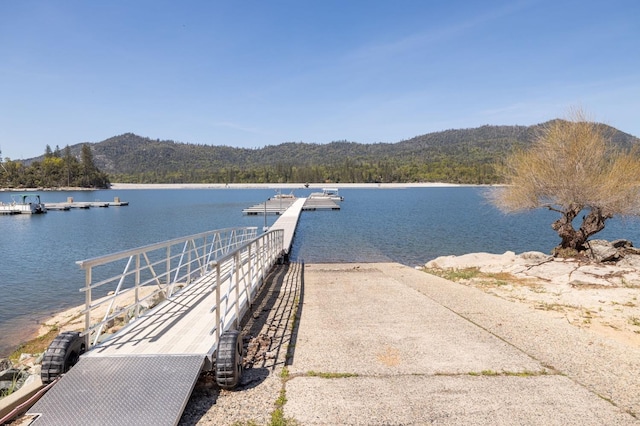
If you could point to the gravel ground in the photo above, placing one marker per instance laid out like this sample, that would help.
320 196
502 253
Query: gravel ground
267 332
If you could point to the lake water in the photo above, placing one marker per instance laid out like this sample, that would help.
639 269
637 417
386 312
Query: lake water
39 276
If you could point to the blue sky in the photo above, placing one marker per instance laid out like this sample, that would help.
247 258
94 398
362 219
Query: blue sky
262 72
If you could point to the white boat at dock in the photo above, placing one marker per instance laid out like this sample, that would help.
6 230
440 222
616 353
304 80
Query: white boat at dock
31 204
27 204
280 196
328 193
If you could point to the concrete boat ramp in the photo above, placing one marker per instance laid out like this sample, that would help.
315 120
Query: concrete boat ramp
384 344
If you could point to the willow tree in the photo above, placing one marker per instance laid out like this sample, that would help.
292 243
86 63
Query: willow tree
572 168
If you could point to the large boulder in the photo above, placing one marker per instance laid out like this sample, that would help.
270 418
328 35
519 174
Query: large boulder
491 263
473 260
605 251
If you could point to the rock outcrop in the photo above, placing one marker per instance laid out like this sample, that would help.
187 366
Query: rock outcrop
614 263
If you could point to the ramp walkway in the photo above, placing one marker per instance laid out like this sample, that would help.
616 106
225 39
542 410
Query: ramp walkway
288 221
387 344
145 373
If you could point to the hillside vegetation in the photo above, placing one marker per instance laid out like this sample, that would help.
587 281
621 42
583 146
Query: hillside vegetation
55 169
455 156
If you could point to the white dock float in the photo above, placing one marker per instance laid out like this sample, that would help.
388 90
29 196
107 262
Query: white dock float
271 206
320 203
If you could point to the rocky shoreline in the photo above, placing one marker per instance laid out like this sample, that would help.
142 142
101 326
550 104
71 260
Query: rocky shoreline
601 295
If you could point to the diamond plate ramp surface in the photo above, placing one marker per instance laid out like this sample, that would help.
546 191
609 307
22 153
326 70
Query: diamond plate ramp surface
139 390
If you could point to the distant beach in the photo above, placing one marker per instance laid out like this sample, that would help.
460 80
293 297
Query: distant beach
117 186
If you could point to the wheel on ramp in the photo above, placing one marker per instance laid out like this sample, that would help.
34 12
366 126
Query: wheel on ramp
62 354
229 360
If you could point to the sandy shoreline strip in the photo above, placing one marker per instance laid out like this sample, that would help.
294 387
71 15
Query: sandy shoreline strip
121 186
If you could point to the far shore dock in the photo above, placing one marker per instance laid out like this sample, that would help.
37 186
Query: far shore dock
31 204
71 204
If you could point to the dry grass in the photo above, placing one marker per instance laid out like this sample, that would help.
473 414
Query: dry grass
611 311
35 346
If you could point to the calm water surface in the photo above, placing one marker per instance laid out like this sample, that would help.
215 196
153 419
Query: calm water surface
411 226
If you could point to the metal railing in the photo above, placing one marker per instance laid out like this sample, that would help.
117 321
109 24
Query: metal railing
239 275
130 282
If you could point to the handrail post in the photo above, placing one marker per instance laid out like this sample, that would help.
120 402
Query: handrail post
238 265
189 261
218 285
169 288
87 298
137 287
250 270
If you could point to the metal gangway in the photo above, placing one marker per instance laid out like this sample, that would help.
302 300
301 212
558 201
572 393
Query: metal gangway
144 373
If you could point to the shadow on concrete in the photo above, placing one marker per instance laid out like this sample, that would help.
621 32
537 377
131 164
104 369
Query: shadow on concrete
297 318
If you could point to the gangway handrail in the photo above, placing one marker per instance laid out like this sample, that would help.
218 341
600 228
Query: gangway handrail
177 262
95 261
245 268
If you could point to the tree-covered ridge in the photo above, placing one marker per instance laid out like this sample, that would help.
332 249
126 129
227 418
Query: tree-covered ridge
456 156
54 170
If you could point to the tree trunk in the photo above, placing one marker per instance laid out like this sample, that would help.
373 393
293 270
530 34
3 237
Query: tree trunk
574 239
593 222
565 230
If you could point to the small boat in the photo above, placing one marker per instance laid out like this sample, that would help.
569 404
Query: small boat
329 193
29 204
280 196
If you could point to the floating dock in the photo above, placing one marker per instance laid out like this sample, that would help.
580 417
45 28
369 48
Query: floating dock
71 204
38 207
320 203
277 206
272 206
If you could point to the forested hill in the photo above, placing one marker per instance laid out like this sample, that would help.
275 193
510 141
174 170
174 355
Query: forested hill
457 156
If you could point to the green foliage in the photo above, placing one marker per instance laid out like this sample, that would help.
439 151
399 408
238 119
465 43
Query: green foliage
277 415
54 171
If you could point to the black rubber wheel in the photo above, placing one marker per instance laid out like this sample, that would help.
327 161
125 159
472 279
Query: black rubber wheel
62 354
229 360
